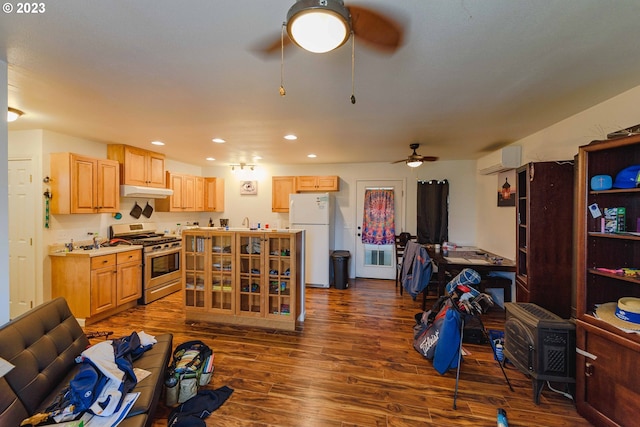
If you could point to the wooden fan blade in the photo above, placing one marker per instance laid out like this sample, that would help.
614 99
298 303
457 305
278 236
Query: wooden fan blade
399 161
429 158
376 29
271 47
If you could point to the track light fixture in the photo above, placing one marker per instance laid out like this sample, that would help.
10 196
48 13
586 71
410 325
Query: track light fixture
241 166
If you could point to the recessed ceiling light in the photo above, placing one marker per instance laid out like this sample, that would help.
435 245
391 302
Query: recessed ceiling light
157 142
290 137
218 140
211 159
311 156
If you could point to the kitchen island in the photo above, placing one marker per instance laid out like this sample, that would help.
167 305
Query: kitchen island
244 277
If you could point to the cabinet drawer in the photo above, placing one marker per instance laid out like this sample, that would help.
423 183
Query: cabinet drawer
129 256
103 261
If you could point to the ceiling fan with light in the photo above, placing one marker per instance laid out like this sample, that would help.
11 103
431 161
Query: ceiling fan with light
321 26
415 159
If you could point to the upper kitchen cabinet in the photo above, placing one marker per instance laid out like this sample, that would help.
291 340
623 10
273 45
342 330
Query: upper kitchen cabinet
281 187
184 194
81 184
213 194
199 194
139 167
317 183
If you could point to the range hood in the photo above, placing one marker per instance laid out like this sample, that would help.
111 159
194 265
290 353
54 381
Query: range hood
146 192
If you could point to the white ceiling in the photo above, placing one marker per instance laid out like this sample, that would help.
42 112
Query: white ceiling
471 76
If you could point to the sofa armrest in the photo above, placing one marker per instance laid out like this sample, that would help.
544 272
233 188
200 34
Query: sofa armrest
42 344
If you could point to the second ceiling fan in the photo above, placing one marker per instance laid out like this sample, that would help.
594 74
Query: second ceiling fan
415 159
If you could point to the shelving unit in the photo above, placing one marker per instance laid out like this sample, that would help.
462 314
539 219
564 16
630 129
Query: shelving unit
544 210
607 376
250 278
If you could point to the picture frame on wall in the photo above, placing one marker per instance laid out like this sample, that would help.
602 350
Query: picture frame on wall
507 188
248 188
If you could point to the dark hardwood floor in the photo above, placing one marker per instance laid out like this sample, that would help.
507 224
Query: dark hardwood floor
351 364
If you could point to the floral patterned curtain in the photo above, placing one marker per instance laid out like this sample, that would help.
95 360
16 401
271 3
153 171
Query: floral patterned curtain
378 224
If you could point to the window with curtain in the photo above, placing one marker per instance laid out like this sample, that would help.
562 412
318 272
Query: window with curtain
433 211
378 226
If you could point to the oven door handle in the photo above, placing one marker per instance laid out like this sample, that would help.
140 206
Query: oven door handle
163 252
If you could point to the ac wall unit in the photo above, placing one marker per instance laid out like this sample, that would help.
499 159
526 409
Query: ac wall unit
499 161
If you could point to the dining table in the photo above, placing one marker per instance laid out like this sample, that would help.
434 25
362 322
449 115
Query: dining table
451 260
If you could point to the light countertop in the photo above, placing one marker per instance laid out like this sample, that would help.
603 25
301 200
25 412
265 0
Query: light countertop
98 252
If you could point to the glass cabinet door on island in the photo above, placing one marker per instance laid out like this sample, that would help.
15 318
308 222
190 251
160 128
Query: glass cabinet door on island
221 284
250 274
194 270
281 290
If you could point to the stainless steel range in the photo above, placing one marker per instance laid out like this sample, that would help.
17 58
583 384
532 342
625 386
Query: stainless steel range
161 273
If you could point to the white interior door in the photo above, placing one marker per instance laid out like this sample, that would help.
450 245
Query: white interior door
22 267
377 261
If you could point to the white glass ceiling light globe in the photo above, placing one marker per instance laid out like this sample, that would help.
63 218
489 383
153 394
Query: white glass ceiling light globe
414 164
319 31
318 26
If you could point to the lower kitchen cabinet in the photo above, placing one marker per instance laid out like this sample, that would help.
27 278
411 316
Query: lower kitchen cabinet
248 278
97 286
129 272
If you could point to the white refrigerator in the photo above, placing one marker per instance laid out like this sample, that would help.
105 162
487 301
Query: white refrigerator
313 212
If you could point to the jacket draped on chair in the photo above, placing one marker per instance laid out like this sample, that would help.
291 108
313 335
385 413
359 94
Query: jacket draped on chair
417 268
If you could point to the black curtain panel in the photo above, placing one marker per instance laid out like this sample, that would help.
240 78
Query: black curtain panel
433 211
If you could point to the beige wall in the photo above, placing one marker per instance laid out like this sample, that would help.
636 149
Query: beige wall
497 226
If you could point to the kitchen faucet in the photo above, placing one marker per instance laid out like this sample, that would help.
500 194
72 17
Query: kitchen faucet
246 219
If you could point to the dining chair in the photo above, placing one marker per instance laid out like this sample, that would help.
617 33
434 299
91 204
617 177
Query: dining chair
400 244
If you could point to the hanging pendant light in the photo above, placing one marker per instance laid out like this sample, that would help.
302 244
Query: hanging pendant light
319 26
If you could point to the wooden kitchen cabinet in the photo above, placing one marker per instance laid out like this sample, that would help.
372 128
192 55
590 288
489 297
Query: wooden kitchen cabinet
139 166
104 275
129 272
607 378
183 198
281 188
81 184
96 287
198 194
544 235
213 194
317 183
247 278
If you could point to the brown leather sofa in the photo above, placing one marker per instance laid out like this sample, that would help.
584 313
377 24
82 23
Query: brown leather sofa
43 344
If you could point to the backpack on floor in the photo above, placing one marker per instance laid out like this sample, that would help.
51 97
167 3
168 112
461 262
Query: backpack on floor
191 367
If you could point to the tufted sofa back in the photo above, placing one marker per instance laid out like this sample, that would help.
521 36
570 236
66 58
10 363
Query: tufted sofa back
42 344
